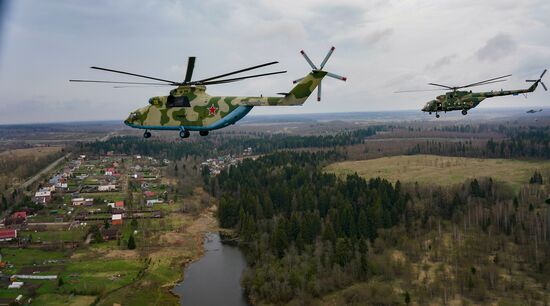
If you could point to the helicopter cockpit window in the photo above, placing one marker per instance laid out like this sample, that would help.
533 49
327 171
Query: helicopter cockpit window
182 101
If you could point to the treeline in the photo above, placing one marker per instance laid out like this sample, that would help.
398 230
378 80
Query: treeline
266 143
521 142
304 231
173 150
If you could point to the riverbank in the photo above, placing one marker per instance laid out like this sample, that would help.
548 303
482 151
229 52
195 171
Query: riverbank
167 256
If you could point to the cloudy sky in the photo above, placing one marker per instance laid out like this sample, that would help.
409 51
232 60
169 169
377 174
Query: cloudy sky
381 46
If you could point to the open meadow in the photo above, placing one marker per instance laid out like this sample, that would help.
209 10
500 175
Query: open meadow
442 170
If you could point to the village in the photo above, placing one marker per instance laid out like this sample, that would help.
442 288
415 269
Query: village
90 205
218 164
90 199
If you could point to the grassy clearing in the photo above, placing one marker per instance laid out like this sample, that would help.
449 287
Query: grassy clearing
25 257
53 236
66 300
441 170
94 277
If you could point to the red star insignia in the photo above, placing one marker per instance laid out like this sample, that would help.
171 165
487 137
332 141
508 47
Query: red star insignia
212 110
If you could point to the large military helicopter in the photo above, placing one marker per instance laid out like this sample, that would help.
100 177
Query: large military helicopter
190 108
465 100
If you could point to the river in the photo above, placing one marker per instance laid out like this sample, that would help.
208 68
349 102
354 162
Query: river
215 278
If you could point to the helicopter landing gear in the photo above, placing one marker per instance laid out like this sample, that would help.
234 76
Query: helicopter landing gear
147 134
464 112
437 115
184 133
203 133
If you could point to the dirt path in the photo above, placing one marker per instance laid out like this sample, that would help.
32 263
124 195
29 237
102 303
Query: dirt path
49 168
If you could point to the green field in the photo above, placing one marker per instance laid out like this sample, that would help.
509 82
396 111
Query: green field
442 170
54 236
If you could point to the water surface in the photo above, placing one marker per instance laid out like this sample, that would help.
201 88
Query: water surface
215 278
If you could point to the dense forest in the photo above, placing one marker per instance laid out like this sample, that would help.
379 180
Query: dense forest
307 233
301 228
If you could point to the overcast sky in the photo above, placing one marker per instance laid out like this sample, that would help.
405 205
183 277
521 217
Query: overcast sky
381 46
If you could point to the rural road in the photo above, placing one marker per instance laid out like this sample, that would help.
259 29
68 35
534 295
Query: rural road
107 137
49 168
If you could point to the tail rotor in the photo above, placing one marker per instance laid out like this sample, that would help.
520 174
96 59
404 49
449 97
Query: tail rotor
539 81
323 63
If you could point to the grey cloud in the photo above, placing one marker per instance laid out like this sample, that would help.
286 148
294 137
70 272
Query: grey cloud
375 37
497 47
444 61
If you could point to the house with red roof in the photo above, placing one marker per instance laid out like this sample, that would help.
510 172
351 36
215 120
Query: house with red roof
119 204
116 219
149 194
20 214
8 234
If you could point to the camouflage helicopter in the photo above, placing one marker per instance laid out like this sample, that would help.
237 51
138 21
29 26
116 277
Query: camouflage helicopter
465 100
189 108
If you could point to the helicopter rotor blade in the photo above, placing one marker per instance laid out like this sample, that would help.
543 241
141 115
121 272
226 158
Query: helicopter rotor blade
543 73
134 74
308 60
332 75
327 57
498 81
418 90
117 82
239 79
445 86
482 82
205 81
544 86
143 86
190 68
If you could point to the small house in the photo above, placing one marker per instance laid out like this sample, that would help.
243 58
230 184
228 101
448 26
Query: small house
153 202
119 204
16 218
116 219
8 234
20 215
16 285
108 187
42 197
82 202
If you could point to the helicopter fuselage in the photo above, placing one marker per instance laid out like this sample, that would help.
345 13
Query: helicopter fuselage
190 108
465 100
